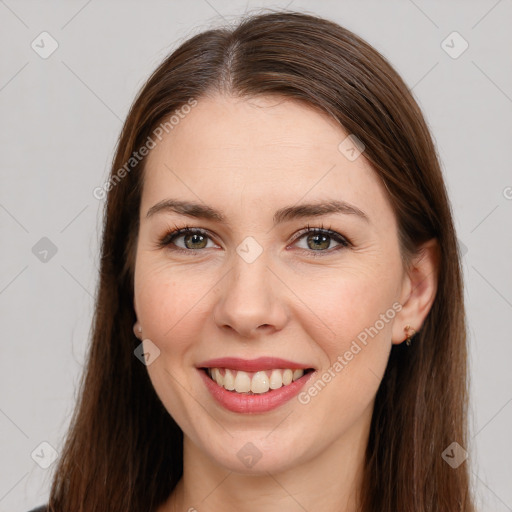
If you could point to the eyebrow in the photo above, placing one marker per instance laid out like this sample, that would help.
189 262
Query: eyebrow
288 213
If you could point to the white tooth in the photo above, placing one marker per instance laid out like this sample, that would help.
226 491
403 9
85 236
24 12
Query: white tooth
260 382
219 379
229 380
297 374
242 382
287 377
276 380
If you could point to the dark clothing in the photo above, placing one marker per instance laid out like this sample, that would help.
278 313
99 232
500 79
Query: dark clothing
42 508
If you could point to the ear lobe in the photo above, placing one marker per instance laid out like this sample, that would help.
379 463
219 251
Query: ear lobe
137 330
418 291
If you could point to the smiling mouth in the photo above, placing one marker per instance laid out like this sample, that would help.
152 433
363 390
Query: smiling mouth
254 383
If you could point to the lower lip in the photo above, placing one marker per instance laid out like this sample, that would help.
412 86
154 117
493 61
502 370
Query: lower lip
257 403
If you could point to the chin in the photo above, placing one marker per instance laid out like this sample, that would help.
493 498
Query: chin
255 454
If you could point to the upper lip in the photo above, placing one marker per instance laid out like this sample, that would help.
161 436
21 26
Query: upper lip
252 365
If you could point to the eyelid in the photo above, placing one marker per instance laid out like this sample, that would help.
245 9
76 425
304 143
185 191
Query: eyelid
175 232
341 239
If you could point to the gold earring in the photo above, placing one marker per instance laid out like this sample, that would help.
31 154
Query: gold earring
409 332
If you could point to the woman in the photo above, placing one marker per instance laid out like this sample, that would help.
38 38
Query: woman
279 322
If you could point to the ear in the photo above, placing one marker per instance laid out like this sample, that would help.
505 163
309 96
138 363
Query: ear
419 289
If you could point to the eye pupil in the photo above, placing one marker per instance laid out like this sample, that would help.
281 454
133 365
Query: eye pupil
196 239
320 241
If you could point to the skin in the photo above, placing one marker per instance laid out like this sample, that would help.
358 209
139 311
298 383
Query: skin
248 158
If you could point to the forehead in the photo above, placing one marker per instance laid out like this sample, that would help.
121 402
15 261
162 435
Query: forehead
229 127
231 150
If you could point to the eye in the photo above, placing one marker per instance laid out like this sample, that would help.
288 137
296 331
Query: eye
186 239
321 240
316 240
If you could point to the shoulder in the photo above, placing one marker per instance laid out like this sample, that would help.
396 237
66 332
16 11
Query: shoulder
42 508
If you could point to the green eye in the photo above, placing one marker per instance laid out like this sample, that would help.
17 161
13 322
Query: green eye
317 240
320 240
196 240
193 239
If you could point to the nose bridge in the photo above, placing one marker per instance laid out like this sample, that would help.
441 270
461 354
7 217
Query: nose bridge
250 287
249 298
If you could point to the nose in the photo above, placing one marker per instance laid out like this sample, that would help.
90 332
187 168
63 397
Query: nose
251 300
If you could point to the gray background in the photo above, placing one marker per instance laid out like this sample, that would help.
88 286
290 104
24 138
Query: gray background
61 116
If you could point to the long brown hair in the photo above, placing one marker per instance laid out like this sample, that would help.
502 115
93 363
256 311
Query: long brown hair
123 451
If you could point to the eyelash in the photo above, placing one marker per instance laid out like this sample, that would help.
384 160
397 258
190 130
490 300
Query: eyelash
176 232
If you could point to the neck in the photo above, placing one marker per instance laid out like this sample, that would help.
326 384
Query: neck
329 481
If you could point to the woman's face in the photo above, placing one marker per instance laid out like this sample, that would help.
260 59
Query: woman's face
254 284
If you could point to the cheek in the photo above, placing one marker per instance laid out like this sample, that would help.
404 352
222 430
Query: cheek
170 303
355 338
356 312
347 304
171 309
